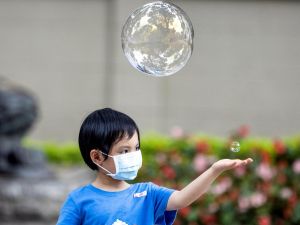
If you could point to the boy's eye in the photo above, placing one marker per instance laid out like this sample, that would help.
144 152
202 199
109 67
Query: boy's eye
125 151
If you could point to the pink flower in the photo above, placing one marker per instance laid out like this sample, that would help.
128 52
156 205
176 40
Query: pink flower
257 199
213 208
222 186
240 171
265 172
244 204
177 132
296 166
286 193
200 163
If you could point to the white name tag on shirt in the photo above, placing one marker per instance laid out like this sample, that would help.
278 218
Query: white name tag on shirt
140 194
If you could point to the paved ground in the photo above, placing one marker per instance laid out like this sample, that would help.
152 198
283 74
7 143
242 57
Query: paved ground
38 202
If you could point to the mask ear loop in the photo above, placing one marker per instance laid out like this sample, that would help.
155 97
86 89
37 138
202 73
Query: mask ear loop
104 153
109 173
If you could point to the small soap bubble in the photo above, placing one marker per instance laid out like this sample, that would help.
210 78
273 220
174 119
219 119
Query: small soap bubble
235 146
157 38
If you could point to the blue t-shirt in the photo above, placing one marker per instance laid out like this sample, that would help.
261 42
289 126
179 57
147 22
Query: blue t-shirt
140 204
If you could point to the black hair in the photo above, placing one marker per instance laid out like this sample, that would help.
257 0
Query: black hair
103 128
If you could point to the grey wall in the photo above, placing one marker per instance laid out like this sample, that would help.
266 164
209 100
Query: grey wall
245 68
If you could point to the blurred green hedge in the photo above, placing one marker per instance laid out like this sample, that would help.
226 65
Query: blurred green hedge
267 192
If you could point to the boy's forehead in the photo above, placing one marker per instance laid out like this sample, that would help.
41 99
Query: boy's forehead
127 140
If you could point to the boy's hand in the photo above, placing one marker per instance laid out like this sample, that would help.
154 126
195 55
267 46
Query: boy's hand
227 164
189 194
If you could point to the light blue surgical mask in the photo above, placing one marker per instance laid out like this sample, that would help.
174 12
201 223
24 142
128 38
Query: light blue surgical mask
127 165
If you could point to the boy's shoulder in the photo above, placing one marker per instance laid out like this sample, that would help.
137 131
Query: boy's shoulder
148 185
79 191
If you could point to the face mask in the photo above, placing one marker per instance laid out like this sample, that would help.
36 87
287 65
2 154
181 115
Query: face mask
127 165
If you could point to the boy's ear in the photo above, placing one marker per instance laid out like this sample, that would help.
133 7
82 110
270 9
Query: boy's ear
96 156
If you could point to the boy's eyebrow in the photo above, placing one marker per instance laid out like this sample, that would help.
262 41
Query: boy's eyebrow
128 146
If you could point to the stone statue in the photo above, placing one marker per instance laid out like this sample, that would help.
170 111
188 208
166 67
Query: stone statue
30 193
18 112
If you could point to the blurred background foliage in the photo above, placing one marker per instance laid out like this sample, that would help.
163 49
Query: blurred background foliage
267 192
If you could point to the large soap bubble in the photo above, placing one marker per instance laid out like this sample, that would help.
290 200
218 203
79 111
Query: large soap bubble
157 38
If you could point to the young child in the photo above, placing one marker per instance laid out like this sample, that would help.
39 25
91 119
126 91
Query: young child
109 142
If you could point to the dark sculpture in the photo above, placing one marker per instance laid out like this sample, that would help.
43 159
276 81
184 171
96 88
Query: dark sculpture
29 192
18 112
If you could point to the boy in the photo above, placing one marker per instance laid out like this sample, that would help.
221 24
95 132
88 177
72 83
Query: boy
109 142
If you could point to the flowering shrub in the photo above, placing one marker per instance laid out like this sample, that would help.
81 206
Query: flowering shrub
267 192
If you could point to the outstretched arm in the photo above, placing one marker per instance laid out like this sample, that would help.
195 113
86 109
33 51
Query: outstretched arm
183 198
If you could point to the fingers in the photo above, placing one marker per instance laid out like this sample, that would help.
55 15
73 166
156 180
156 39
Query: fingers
236 163
239 162
249 160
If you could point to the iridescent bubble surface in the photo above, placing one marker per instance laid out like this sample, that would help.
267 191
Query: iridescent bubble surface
157 38
235 146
